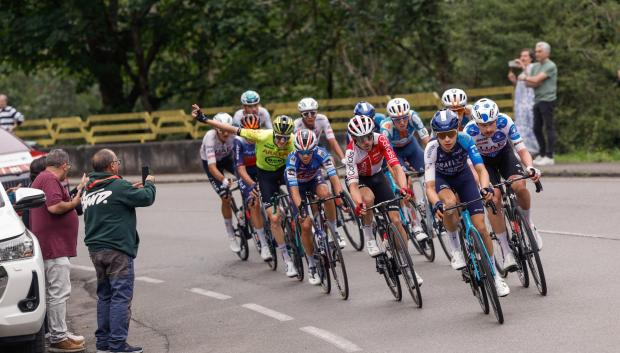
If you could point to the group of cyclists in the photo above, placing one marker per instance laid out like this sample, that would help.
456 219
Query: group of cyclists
471 148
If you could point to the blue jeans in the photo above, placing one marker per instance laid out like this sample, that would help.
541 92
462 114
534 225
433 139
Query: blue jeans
115 279
413 154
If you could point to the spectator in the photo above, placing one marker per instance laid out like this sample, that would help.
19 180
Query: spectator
109 204
543 78
524 100
56 227
9 117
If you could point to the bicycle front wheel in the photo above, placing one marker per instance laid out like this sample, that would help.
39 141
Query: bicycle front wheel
290 236
486 276
351 225
336 264
401 253
533 256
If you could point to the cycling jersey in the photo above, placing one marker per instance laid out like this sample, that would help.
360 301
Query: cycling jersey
453 162
263 116
465 116
269 156
402 138
492 146
298 172
378 119
321 124
213 149
363 163
245 153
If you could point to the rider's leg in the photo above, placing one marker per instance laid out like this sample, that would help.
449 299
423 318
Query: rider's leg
450 218
307 239
368 198
257 221
277 231
523 197
322 191
497 222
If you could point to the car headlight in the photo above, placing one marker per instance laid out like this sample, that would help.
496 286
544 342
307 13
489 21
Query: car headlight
17 248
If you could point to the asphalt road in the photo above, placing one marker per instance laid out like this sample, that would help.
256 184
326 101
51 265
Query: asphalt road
194 295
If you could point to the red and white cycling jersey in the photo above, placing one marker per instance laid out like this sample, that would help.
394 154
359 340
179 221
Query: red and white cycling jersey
360 162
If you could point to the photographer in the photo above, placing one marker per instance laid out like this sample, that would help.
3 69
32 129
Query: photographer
524 99
109 204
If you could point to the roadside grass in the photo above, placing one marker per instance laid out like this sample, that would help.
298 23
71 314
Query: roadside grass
583 156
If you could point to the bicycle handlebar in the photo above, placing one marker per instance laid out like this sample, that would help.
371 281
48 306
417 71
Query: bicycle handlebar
538 184
489 204
414 173
385 203
318 201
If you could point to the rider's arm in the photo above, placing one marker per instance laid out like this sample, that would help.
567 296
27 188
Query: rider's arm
215 172
482 174
295 196
328 164
333 143
399 175
517 142
243 173
419 128
392 161
430 156
239 166
290 174
352 177
209 149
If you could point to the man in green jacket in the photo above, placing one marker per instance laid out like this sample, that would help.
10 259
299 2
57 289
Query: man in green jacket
109 204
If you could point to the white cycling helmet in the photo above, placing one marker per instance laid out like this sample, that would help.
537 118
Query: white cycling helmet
223 118
398 107
454 98
307 104
360 125
485 111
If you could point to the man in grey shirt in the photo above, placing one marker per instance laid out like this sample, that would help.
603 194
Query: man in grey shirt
543 78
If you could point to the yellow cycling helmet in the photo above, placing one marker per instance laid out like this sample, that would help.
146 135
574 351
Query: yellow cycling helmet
283 125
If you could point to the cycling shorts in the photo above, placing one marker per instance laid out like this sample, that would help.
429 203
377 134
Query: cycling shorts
269 183
411 153
308 187
380 187
225 164
245 187
504 165
464 185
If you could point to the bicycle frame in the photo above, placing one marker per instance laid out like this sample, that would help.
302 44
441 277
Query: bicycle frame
469 243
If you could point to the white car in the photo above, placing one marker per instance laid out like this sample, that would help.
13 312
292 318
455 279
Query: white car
22 276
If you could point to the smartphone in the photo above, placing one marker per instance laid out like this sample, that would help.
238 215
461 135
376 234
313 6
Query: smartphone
513 64
145 172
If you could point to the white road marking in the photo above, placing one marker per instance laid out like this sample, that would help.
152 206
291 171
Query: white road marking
268 312
149 280
578 234
209 293
329 337
84 268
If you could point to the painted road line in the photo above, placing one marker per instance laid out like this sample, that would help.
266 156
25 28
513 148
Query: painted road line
84 268
209 293
149 280
583 235
268 312
329 337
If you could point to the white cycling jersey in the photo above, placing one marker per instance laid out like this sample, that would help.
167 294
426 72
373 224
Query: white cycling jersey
263 116
321 124
213 149
491 146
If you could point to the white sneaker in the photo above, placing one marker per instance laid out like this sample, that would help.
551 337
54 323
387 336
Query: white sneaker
419 233
538 159
341 241
234 244
458 261
550 161
501 287
265 254
76 338
373 248
420 280
291 271
313 276
509 262
537 237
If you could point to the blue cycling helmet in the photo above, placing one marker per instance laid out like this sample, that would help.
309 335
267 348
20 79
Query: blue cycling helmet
250 98
445 120
364 108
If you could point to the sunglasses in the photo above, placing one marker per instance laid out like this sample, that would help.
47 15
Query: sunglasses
363 139
306 152
282 137
399 119
443 135
457 109
308 114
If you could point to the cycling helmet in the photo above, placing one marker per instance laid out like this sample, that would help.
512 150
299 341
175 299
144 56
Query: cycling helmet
485 111
445 120
364 108
250 121
453 98
360 125
283 125
305 140
307 104
398 107
250 98
223 118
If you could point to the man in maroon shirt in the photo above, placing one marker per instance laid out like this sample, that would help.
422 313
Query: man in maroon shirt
56 228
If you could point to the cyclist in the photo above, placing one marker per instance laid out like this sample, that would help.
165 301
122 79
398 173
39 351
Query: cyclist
497 138
245 164
400 129
250 100
303 174
367 109
448 175
455 99
216 153
272 148
367 182
318 123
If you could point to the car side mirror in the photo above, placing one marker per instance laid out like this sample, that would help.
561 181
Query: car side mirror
26 198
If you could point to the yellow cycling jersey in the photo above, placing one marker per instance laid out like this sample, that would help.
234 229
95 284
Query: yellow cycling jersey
269 156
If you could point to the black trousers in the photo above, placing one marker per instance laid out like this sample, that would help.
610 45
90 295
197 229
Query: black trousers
543 118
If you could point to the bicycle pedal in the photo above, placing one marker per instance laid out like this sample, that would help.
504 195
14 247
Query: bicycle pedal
465 275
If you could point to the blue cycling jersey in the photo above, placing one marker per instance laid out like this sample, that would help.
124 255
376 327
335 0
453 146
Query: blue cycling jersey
244 153
402 138
453 162
298 172
378 119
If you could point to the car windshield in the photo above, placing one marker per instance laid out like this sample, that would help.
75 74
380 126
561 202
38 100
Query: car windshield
10 143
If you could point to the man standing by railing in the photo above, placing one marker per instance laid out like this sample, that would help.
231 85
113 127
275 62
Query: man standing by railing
10 118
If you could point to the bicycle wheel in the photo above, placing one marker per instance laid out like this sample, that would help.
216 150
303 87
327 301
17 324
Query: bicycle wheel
532 255
486 275
498 254
471 274
336 264
441 234
387 267
294 251
518 247
322 269
426 246
351 225
401 253
239 230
